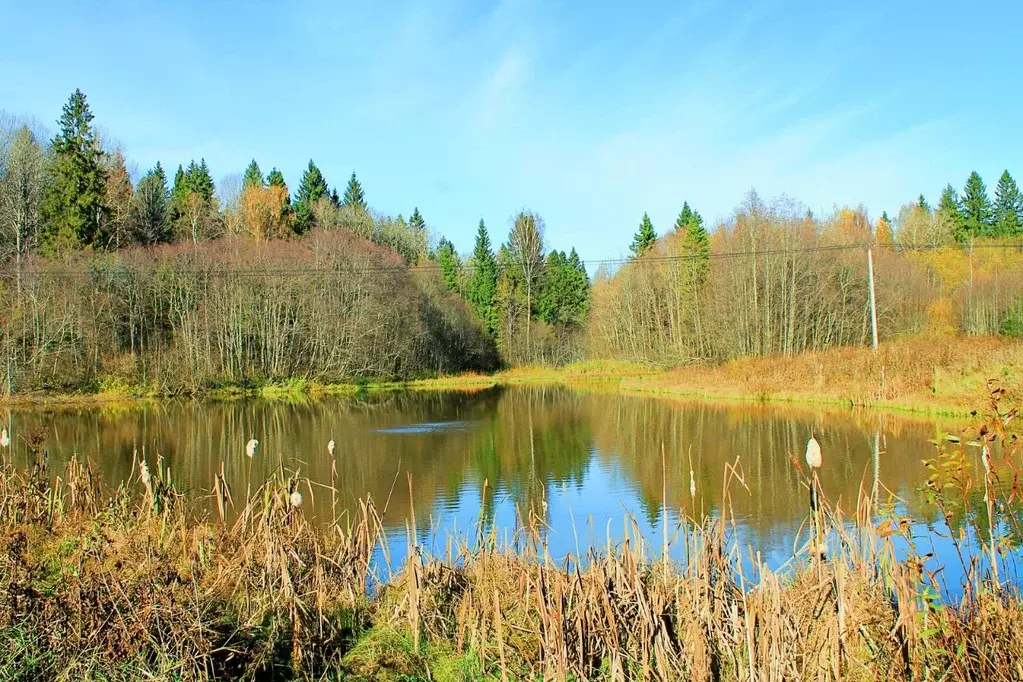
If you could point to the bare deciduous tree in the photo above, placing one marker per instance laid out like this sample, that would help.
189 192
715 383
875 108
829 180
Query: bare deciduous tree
525 244
21 188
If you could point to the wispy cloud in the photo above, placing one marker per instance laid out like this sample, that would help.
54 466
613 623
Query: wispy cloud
499 95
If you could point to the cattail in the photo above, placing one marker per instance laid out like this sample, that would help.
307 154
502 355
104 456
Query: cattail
813 453
5 440
985 457
330 447
250 448
296 499
692 485
144 473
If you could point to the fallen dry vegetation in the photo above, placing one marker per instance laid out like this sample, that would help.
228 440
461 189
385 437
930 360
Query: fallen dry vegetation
128 584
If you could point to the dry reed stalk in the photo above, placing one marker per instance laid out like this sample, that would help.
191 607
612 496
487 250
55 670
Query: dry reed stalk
203 594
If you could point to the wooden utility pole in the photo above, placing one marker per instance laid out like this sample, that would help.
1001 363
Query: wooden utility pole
873 301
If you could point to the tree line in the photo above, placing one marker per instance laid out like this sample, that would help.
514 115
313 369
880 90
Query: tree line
195 293
773 278
80 233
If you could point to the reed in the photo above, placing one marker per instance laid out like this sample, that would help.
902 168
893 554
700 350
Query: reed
127 583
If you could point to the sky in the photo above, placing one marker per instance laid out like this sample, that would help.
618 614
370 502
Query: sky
589 114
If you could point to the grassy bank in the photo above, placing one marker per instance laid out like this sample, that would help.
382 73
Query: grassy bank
946 376
127 583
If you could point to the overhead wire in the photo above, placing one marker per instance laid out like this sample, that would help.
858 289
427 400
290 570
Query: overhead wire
92 272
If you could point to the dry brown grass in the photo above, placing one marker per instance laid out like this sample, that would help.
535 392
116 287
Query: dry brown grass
126 584
941 375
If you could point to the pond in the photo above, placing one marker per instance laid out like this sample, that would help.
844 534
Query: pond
591 465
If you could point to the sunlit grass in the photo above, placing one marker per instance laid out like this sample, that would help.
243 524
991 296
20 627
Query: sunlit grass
132 583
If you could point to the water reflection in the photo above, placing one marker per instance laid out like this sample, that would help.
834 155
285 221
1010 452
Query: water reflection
577 463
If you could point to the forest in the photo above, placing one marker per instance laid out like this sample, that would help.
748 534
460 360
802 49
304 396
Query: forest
172 283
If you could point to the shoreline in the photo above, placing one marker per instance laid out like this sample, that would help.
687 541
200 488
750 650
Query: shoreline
942 378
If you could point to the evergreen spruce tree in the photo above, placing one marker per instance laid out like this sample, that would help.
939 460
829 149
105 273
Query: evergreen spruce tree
276 179
482 286
354 196
201 181
72 207
581 291
645 236
687 216
922 203
564 289
978 214
415 221
696 249
1008 207
684 216
335 200
193 203
449 262
178 195
951 214
312 188
151 208
253 176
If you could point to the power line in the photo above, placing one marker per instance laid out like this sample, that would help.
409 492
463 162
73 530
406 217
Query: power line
93 273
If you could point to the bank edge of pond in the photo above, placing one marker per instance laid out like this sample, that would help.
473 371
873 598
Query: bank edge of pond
626 384
705 383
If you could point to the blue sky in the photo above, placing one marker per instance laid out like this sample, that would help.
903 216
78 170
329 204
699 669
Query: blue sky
588 113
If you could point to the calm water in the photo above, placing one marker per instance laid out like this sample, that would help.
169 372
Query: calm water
584 462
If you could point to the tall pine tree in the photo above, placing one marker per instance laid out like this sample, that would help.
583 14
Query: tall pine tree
978 214
449 262
312 188
416 222
354 196
564 289
72 206
645 236
276 179
695 246
1008 207
178 194
150 208
950 213
253 176
482 286
200 180
686 217
193 203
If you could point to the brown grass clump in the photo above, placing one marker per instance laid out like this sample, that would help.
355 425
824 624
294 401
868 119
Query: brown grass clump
127 584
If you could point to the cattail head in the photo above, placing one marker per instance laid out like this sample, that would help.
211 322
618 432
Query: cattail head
985 458
144 474
692 484
813 453
250 448
5 439
296 499
330 447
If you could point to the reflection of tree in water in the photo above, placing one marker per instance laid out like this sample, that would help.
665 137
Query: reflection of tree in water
630 430
525 442
537 437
